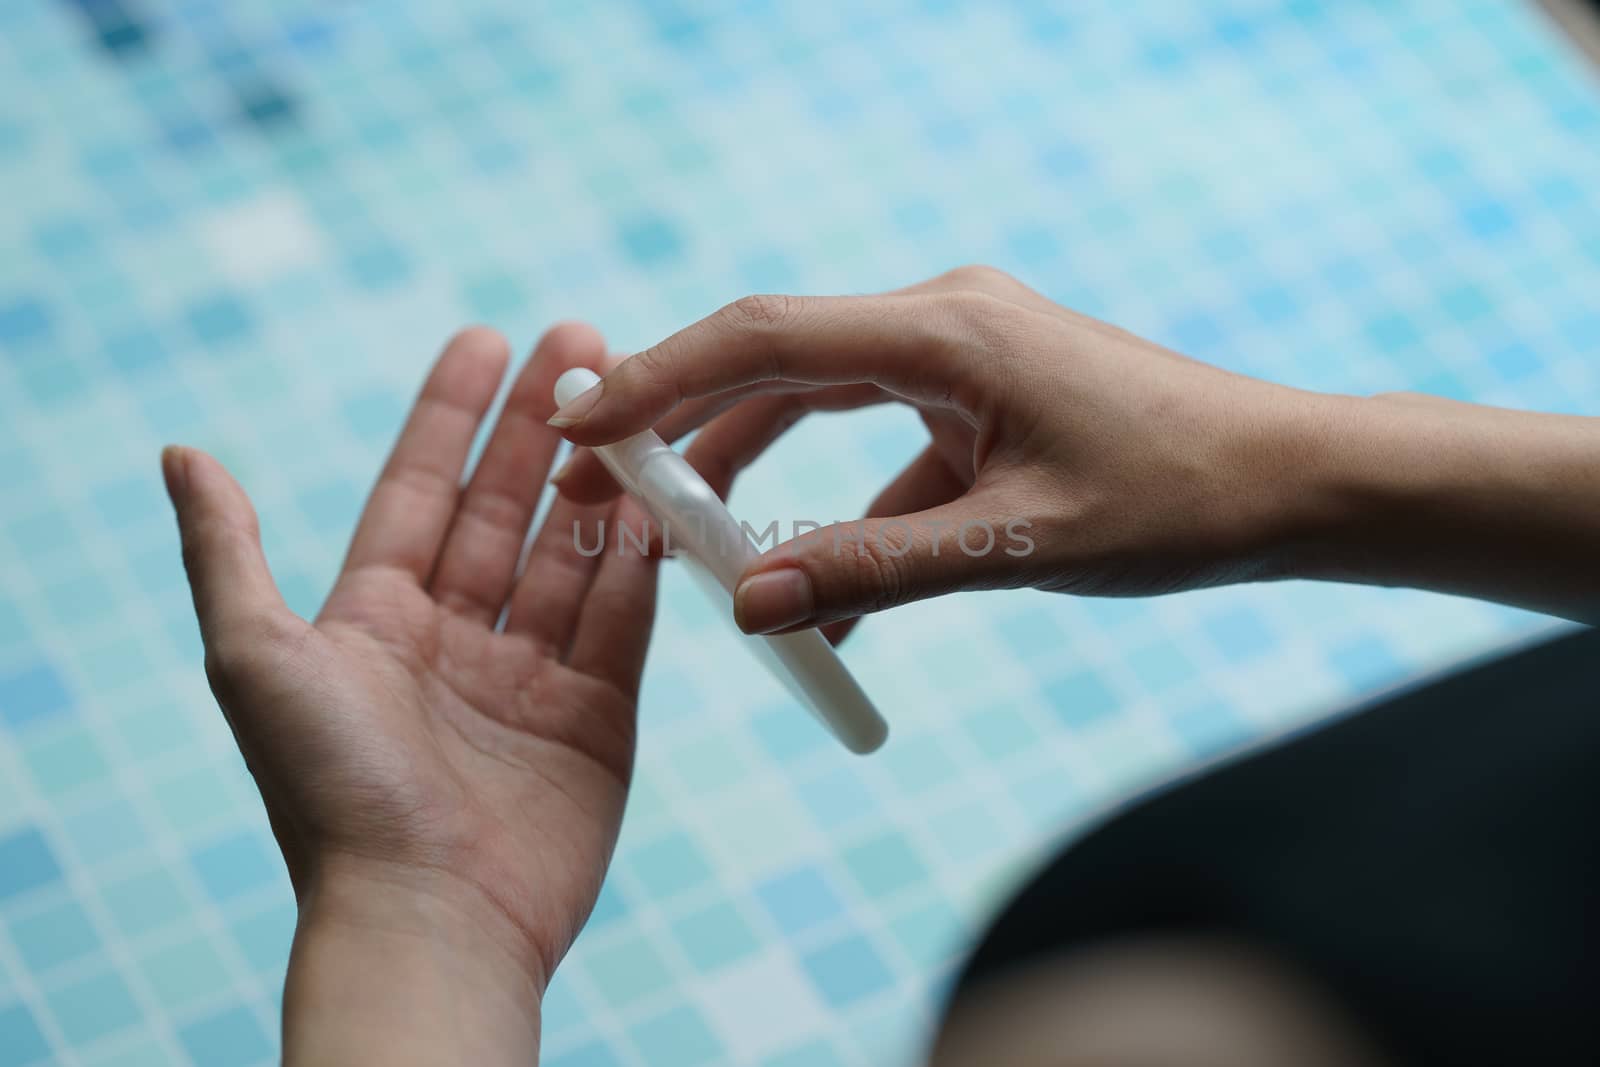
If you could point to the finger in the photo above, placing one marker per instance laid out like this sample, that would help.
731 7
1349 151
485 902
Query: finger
836 632
234 594
913 346
556 574
732 441
614 629
584 478
863 567
479 559
927 482
996 283
404 522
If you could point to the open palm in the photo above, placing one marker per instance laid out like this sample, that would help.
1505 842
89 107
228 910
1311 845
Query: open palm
459 707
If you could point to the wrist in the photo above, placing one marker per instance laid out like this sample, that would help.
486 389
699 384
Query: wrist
1410 490
399 966
1359 474
1287 482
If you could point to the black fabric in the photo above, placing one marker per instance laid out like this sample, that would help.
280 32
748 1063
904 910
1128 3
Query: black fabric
1432 859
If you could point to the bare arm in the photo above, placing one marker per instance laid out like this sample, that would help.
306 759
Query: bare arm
446 786
1134 470
1435 494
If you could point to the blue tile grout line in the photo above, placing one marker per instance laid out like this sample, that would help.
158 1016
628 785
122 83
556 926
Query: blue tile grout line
248 227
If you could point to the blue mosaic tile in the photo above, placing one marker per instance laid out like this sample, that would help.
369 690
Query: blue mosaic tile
247 227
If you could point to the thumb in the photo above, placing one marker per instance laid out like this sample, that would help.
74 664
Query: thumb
235 597
856 568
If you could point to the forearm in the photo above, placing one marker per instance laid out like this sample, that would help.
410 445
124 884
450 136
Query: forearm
1416 491
383 973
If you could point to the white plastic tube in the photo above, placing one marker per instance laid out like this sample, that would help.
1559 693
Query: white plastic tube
700 524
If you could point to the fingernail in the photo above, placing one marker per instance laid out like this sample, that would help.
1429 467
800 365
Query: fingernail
773 600
565 469
573 413
174 471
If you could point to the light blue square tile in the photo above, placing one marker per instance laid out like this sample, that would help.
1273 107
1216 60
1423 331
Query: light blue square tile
786 735
918 763
670 864
609 906
885 864
1162 665
627 970
677 1037
836 797
589 1054
1048 799
1241 634
847 970
65 762
153 732
1209 728
22 1043
816 1053
144 1051
967 831
13 630
60 933
1000 731
192 799
714 936
1033 634
91 1007
146 901
232 1037
183 973
32 692
118 664
236 864
931 933
26 862
1081 698
264 937
1365 663
800 899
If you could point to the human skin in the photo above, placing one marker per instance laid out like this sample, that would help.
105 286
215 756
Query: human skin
446 793
1137 471
447 788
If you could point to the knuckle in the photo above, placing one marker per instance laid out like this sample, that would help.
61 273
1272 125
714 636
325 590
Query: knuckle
1408 396
759 312
212 532
479 336
229 660
880 576
973 306
649 364
650 373
245 648
192 555
497 509
981 319
979 276
224 668
615 606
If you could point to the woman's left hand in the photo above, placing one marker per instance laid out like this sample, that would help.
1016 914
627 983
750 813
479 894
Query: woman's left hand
446 787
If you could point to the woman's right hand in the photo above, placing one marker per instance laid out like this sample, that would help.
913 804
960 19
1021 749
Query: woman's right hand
1064 454
1125 468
